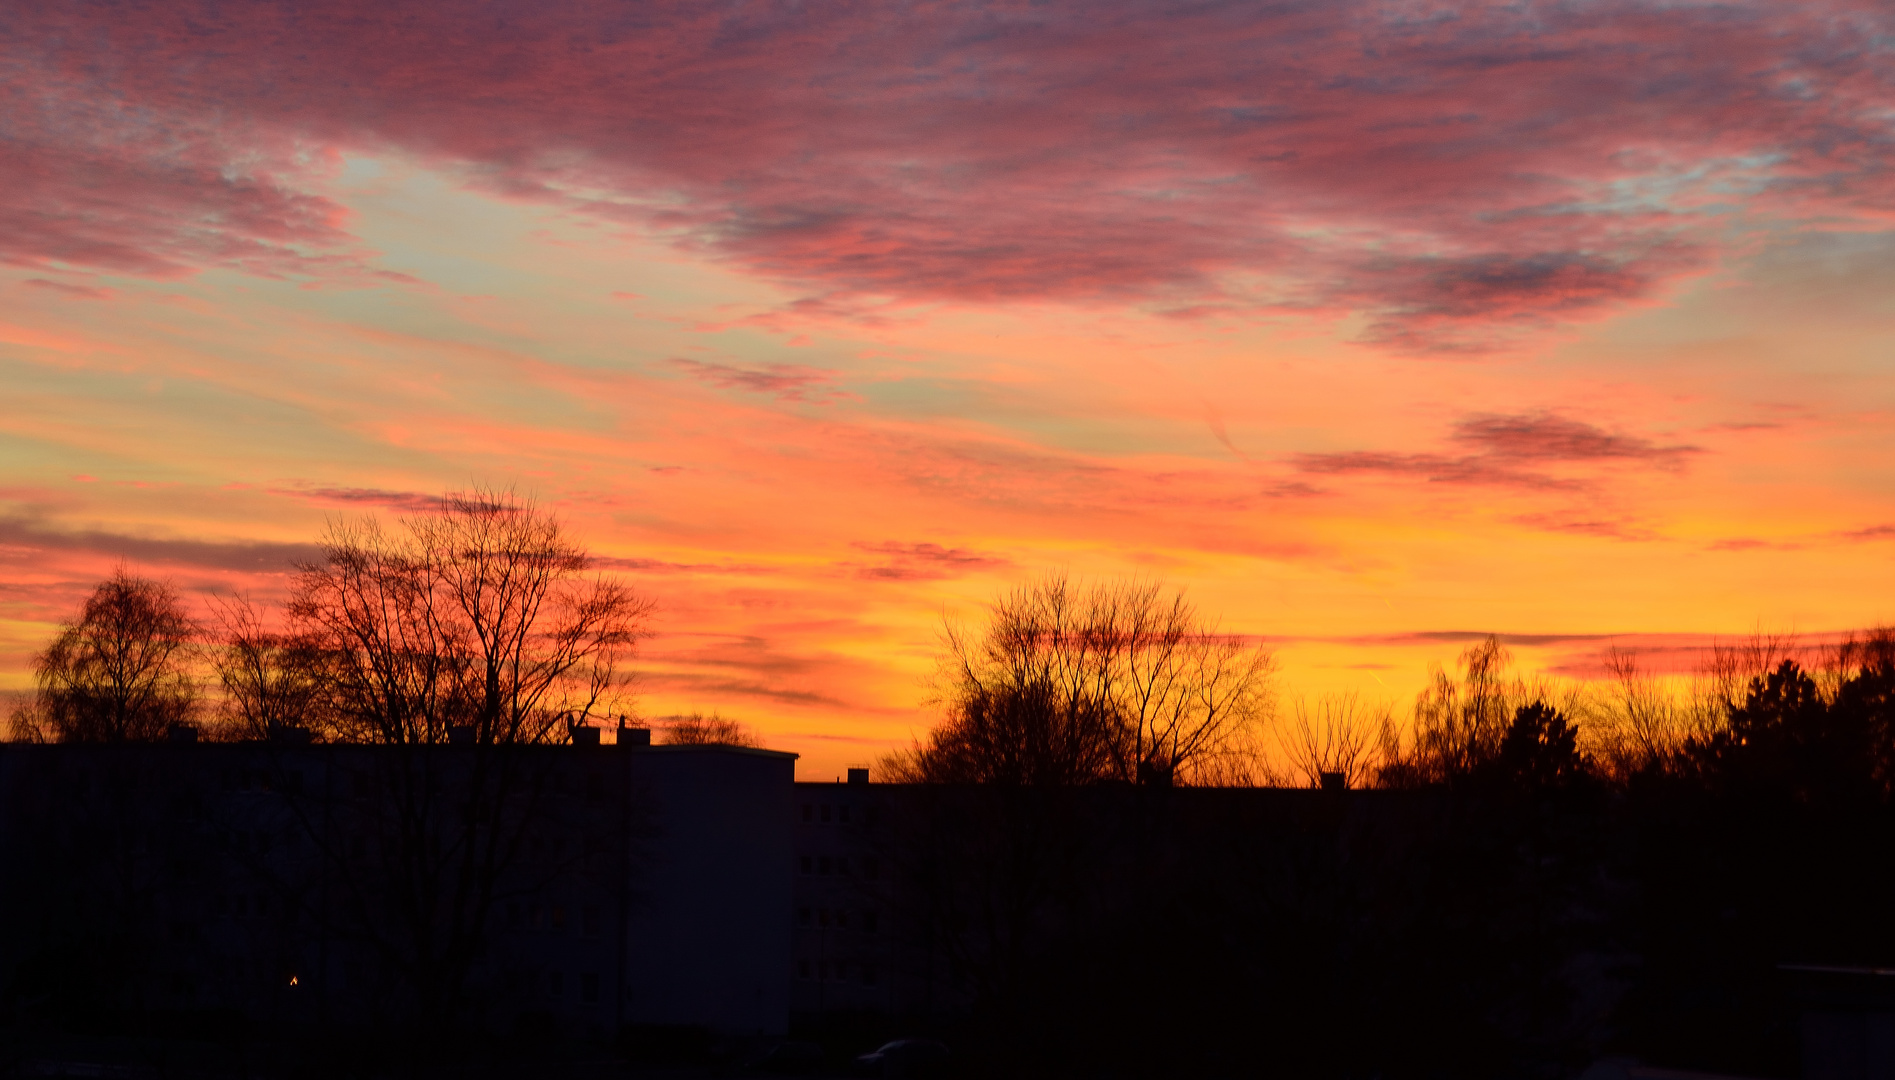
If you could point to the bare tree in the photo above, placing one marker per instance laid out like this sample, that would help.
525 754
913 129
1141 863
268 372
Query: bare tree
696 729
1339 735
273 681
475 625
1070 684
478 616
119 672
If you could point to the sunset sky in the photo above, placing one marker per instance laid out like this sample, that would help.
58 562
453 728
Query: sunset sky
1376 326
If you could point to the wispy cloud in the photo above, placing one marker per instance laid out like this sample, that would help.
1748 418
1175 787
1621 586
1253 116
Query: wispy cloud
1509 451
921 561
785 382
410 501
251 556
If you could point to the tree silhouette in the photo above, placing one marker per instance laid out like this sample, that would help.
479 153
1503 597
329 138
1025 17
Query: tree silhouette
1073 684
1540 751
120 671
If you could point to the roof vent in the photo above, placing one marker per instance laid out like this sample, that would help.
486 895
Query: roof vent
858 774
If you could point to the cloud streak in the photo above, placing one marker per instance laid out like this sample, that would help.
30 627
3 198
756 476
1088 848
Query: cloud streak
785 382
238 555
1513 451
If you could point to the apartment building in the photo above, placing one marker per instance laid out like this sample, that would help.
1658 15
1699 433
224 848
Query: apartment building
575 888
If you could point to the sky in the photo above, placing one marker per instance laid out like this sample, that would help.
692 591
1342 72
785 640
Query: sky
1375 326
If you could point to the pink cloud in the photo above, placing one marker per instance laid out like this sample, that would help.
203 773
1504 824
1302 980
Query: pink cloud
922 562
785 382
1511 451
1453 179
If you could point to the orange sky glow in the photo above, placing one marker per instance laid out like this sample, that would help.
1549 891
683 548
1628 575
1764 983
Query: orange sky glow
820 328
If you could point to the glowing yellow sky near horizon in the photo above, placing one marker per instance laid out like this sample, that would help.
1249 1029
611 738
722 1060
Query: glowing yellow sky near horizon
815 491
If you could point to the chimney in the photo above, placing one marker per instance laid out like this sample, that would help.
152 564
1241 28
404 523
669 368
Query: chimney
181 733
858 774
1335 781
634 736
460 735
585 735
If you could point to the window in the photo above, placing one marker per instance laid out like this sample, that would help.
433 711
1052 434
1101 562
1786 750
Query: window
822 865
869 922
595 787
589 918
513 915
220 906
871 867
263 905
842 865
802 969
361 785
825 813
555 985
533 915
809 812
559 920
822 917
842 814
805 864
842 972
822 972
802 916
589 987
842 918
868 974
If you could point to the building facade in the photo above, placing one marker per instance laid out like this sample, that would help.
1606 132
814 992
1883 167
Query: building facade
570 888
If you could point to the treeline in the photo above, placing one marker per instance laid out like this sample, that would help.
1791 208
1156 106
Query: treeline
1069 683
477 622
1541 872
